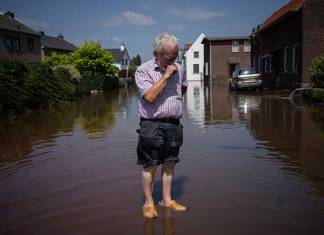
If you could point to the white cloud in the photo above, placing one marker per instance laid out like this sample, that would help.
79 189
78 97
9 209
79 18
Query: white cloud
177 27
146 7
138 19
34 24
130 18
195 13
118 39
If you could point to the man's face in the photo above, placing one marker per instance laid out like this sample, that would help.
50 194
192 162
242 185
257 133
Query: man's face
167 56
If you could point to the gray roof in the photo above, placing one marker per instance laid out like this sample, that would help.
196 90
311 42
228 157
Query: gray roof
56 43
225 38
117 54
11 24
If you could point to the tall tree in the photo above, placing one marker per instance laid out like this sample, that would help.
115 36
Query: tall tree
136 60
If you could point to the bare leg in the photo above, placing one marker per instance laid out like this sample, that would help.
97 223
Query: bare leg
167 175
147 180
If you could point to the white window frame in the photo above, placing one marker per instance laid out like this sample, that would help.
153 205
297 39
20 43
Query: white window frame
235 46
286 59
294 58
195 54
247 46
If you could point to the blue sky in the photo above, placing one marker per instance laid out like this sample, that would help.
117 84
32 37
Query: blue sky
136 23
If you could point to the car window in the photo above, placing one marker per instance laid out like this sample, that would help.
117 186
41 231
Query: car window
248 71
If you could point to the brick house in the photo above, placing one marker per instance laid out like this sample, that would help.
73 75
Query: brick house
287 42
55 44
17 41
222 55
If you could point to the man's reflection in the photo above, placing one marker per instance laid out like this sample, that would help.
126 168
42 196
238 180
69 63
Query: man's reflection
167 223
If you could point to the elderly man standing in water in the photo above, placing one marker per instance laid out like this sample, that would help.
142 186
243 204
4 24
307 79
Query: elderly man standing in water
161 83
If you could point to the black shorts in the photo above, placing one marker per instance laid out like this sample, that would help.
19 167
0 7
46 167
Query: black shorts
158 142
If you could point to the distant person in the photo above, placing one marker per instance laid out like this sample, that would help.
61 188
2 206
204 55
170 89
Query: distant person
161 83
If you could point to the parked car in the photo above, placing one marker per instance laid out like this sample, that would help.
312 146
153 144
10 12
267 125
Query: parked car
245 78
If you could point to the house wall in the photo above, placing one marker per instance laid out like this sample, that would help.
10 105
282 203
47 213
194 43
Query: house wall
23 54
222 56
313 34
272 41
190 60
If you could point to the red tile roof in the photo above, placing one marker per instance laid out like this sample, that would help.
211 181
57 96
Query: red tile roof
292 6
187 46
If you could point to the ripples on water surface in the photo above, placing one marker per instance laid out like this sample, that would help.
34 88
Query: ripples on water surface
251 164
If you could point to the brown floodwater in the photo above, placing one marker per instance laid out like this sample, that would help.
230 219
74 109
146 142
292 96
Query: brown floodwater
251 163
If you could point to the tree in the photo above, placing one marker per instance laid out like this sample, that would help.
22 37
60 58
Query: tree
58 59
136 60
316 72
92 59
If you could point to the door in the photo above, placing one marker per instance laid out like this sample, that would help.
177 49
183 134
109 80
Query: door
232 68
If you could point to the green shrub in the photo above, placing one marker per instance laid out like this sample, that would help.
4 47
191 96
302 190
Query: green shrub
65 84
316 72
12 92
58 59
93 59
110 83
39 85
131 71
314 94
89 82
75 74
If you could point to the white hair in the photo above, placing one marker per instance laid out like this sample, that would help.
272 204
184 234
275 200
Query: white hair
165 39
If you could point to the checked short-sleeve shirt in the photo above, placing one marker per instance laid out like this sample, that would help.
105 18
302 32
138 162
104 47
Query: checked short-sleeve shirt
169 102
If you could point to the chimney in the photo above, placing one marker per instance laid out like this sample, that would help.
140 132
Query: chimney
10 14
41 33
60 36
122 47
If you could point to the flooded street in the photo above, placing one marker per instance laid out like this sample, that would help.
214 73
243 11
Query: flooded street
251 163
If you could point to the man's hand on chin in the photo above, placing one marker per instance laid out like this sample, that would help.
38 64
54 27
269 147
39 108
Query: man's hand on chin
170 70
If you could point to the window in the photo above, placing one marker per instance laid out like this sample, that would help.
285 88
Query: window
264 64
254 62
294 58
196 54
8 43
247 46
286 59
126 61
30 44
269 63
206 68
196 68
16 44
235 46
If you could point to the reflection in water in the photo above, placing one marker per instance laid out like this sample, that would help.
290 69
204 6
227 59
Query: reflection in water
294 136
167 222
95 115
244 154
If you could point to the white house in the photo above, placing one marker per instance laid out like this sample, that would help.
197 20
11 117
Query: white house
194 60
121 59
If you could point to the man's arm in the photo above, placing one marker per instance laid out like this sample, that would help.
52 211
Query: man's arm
151 95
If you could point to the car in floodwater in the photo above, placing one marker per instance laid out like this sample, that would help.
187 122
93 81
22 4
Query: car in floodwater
245 78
